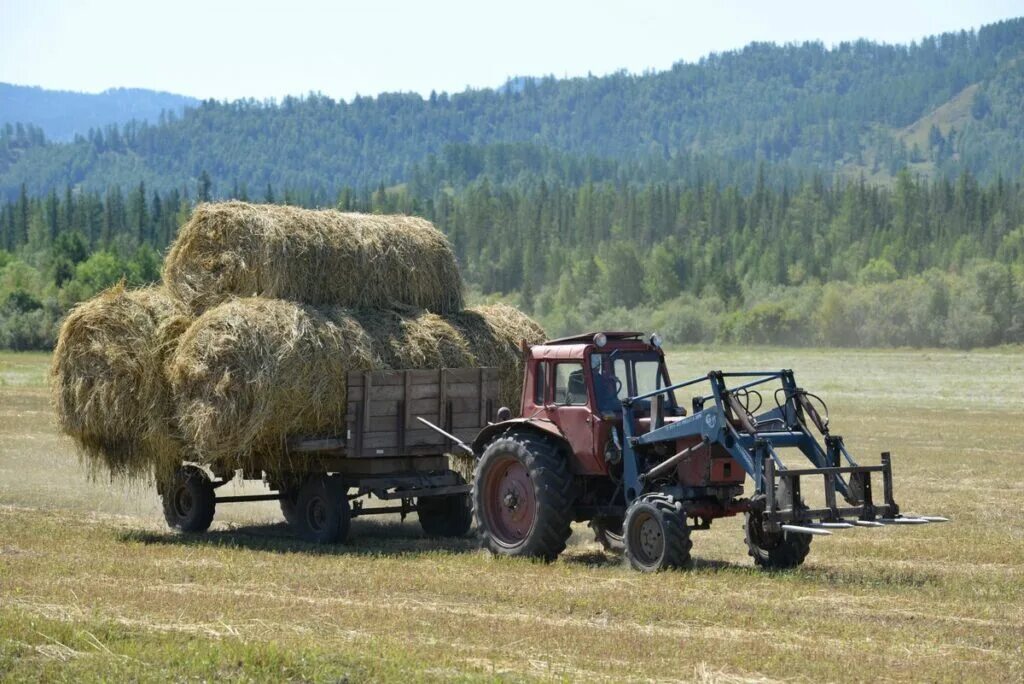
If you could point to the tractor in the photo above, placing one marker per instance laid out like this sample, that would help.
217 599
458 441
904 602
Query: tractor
601 437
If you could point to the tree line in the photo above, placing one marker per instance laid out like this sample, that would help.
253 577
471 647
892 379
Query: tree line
814 261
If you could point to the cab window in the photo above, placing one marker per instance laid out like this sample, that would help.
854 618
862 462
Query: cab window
540 384
570 387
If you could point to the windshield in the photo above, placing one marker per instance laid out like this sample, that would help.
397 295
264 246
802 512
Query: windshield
621 375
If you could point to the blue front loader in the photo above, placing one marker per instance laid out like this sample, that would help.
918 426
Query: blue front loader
725 417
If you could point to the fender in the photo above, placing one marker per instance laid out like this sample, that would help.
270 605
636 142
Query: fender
544 427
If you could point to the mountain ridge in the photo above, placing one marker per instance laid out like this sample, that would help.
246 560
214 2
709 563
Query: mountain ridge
63 114
815 109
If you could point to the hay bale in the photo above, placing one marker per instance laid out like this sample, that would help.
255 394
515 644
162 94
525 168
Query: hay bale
323 258
494 334
251 373
107 380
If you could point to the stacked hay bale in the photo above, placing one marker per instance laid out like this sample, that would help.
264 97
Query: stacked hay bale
108 384
264 310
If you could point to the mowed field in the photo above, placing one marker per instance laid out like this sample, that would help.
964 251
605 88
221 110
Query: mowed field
92 586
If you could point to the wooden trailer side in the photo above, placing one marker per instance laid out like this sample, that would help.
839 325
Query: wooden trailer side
383 407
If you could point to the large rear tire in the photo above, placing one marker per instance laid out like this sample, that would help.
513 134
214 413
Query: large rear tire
322 512
189 500
656 534
445 516
522 498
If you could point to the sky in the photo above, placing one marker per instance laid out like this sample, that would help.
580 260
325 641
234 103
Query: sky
257 48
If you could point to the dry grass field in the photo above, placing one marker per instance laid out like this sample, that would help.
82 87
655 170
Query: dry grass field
92 586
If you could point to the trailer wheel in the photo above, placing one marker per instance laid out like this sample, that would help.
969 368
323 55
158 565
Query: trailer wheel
656 534
289 505
522 498
189 500
445 516
774 551
608 533
322 512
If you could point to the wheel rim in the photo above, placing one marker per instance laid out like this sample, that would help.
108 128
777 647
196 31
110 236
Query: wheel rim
511 505
647 540
183 502
316 514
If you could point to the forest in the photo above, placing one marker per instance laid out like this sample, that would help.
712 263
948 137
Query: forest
845 263
863 194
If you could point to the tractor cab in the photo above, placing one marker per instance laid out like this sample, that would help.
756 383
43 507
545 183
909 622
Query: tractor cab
577 385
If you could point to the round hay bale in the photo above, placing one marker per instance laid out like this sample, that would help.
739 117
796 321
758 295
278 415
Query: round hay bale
323 258
494 334
251 373
107 380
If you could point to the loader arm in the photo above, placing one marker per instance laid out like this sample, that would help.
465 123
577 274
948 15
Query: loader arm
723 418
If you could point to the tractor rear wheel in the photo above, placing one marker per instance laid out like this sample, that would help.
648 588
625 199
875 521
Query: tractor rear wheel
774 550
522 498
608 533
450 515
322 512
189 500
656 534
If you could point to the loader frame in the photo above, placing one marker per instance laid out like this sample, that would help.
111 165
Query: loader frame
721 418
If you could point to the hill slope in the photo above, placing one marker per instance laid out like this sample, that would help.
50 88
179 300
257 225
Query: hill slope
63 114
804 106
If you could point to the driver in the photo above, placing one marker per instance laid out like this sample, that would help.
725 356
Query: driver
606 383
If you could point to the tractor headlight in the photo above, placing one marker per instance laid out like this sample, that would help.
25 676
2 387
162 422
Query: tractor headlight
656 340
600 339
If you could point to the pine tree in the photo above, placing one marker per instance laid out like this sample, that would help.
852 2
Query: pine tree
204 187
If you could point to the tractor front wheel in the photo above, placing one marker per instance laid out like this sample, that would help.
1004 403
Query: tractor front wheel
522 498
774 550
189 500
656 535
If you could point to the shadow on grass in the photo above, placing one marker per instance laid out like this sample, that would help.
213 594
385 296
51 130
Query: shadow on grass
366 539
597 559
869 576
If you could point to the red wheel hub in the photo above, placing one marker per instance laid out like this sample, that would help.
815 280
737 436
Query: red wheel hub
511 505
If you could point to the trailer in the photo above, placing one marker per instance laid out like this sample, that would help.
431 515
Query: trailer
395 448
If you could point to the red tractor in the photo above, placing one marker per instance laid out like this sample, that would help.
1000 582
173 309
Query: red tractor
601 437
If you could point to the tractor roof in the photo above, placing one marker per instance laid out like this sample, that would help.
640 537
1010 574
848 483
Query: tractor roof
589 337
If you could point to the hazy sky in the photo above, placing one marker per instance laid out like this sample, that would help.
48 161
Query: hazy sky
269 49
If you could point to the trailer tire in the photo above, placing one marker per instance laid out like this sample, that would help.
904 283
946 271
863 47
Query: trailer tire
608 532
189 500
450 515
656 535
522 498
289 505
323 515
776 551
